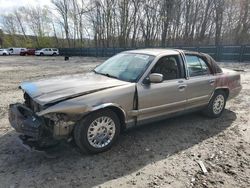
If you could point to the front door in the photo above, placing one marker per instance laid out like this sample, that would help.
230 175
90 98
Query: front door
158 99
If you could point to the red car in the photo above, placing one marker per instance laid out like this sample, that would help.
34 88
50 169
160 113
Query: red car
28 52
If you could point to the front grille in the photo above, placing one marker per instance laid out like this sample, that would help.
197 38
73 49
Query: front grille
30 103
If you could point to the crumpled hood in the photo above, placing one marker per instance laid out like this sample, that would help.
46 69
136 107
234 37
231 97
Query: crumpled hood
64 87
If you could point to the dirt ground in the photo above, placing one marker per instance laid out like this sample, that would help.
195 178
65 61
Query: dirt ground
163 154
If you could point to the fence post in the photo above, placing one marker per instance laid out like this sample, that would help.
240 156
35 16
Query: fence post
242 51
219 52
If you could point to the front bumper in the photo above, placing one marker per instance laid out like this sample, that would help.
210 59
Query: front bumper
25 121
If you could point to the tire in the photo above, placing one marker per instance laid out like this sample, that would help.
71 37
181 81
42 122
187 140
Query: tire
53 54
216 105
85 139
41 54
4 54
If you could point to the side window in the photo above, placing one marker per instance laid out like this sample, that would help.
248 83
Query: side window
168 66
196 66
204 66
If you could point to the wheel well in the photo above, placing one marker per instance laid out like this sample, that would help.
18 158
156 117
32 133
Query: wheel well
225 90
120 115
116 110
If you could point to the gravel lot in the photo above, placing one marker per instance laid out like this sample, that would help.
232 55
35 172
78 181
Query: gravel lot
163 154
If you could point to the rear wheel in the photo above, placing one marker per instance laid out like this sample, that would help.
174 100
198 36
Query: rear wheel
97 132
216 105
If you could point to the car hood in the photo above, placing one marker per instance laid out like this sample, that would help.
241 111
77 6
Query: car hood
57 89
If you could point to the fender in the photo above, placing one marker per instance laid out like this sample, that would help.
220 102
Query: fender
105 105
85 110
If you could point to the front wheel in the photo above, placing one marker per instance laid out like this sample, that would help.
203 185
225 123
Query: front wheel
216 105
97 132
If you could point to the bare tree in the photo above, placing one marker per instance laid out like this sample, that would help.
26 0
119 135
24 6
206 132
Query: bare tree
130 23
218 11
243 25
63 6
166 16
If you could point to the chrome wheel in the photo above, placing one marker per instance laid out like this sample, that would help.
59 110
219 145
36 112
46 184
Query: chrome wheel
218 104
101 132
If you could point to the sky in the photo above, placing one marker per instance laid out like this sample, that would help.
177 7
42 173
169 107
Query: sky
7 6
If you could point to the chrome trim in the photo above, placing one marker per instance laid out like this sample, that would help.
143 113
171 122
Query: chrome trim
187 76
197 98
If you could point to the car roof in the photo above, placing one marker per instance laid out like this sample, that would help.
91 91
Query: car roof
155 51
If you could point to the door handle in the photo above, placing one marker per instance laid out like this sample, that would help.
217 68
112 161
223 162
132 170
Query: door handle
182 87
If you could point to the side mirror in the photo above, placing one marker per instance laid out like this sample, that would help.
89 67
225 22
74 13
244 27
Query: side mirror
155 78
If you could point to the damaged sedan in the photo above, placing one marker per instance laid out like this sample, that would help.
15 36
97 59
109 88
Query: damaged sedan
129 89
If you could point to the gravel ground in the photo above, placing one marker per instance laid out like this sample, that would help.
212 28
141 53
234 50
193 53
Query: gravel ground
162 154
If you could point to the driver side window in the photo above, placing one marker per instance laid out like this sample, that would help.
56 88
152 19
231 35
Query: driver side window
168 67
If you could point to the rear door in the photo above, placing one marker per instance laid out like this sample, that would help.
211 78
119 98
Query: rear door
50 51
158 99
200 83
46 51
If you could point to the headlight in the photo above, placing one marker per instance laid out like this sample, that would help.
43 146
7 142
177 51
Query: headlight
57 117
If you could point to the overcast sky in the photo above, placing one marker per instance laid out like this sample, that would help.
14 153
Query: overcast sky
8 5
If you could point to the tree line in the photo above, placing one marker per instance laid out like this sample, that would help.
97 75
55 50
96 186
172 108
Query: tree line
128 23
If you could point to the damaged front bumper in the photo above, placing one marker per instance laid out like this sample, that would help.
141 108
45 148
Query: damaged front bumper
25 121
33 133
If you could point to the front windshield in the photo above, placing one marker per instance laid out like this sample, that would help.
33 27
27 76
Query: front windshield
125 66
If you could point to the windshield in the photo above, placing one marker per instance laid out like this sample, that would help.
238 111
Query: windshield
126 66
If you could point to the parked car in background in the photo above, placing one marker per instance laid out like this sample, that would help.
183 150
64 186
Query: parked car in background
28 52
47 51
16 51
4 52
129 89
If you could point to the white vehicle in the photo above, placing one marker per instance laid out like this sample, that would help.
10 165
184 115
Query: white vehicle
4 52
47 51
16 51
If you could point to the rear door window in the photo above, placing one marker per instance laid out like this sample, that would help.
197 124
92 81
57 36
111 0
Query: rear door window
196 66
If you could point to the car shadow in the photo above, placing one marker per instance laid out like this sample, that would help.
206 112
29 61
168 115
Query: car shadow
135 149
